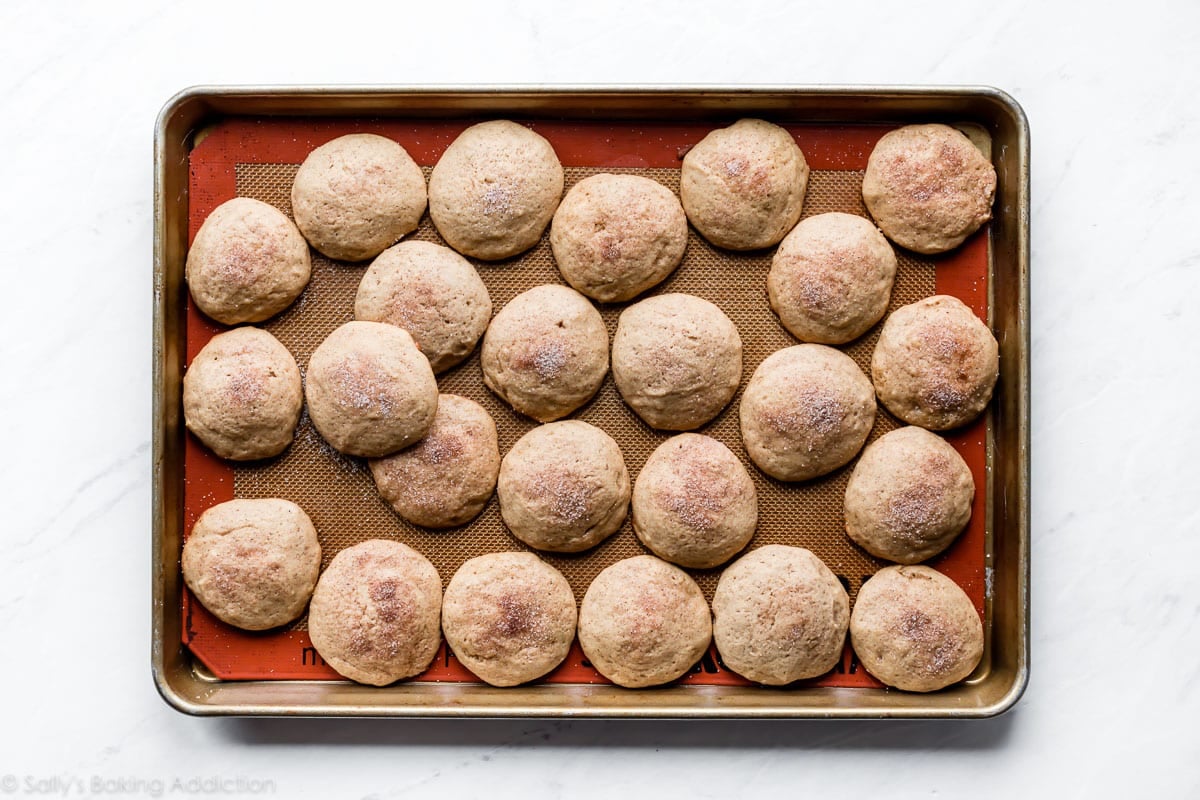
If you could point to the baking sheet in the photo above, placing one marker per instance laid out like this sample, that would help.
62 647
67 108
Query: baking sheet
256 156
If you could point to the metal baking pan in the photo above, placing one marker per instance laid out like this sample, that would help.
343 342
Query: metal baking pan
190 685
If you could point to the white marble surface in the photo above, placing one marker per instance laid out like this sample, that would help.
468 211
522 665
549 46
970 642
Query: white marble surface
1112 98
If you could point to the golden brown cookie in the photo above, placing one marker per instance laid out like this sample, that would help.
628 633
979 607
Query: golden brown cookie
694 503
928 187
242 395
563 487
494 190
915 629
509 617
831 278
433 293
356 195
447 477
677 360
370 391
909 496
546 352
780 615
247 263
615 236
743 186
935 364
806 411
375 616
253 563
643 622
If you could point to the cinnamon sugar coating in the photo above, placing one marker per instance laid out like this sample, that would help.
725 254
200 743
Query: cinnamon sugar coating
433 293
356 195
806 411
509 617
370 391
831 278
375 615
242 395
563 487
928 187
909 496
935 364
780 615
694 504
677 360
252 563
247 263
494 190
546 352
615 236
447 477
743 186
915 629
643 622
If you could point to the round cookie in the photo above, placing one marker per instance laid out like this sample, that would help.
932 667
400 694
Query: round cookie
494 190
370 392
615 236
247 263
935 364
677 360
563 487
780 615
509 617
356 195
433 293
375 615
242 395
546 352
831 278
915 629
253 563
909 496
928 187
806 411
743 186
447 477
643 622
694 503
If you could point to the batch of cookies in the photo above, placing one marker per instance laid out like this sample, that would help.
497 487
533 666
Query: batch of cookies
377 613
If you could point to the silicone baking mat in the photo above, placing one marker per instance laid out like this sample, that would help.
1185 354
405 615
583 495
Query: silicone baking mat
258 158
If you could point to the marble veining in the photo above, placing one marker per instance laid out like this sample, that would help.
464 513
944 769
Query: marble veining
1110 93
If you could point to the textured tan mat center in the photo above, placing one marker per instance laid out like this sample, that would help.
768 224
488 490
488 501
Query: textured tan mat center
339 494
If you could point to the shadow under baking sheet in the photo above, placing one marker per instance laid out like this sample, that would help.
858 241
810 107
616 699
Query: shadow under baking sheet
867 735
